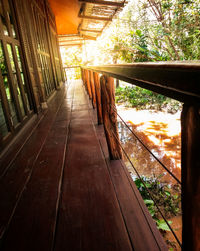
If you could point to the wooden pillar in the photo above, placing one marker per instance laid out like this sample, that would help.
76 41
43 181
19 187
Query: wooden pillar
190 161
110 117
88 83
93 90
117 83
82 75
98 97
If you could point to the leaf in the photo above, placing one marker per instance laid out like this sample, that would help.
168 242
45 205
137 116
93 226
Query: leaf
161 224
149 202
167 193
138 32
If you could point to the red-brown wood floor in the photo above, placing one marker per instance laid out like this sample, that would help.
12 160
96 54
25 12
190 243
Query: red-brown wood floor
59 191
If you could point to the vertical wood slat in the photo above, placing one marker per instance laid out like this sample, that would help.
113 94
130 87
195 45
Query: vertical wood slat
88 83
26 26
190 161
5 105
19 80
92 89
110 117
98 98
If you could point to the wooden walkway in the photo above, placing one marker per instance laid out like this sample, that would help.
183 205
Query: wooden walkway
59 191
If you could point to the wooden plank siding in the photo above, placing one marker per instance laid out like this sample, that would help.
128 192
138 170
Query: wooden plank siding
62 193
37 61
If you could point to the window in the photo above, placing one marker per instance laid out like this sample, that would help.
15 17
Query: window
15 99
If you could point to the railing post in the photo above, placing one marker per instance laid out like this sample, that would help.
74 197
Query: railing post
83 75
98 98
88 83
110 117
92 89
190 161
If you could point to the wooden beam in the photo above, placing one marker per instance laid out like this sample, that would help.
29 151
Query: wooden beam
83 76
97 31
70 44
98 98
110 117
190 169
87 76
95 18
68 35
178 80
92 89
71 40
99 2
88 37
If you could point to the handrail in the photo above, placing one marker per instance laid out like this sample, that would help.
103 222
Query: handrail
178 80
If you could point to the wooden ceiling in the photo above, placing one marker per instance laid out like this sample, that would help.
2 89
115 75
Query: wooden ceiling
78 20
66 13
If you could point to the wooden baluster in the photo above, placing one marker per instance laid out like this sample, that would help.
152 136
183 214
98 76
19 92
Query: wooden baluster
85 80
88 83
98 98
190 162
83 76
110 117
93 90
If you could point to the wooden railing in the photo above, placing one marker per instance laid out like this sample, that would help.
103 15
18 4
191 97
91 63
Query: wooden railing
178 80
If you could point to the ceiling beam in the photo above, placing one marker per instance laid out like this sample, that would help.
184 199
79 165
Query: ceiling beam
88 37
70 45
68 35
71 40
100 2
95 18
85 30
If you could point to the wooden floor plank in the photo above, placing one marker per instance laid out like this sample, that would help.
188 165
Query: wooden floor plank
13 149
58 197
36 212
139 222
13 182
138 226
89 215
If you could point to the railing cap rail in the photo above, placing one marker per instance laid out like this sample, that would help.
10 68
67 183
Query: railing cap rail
176 79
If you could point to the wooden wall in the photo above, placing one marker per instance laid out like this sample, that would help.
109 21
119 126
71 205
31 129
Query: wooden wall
37 40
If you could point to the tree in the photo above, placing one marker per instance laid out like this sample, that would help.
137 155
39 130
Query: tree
155 30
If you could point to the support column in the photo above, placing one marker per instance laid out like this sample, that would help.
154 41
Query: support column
88 83
190 161
93 89
110 117
83 75
98 98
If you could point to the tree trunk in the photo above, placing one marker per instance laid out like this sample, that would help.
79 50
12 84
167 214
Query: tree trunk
98 98
110 117
83 75
117 83
190 122
88 83
93 90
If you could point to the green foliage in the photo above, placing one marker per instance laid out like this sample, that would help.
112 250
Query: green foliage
159 30
165 198
145 99
161 224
